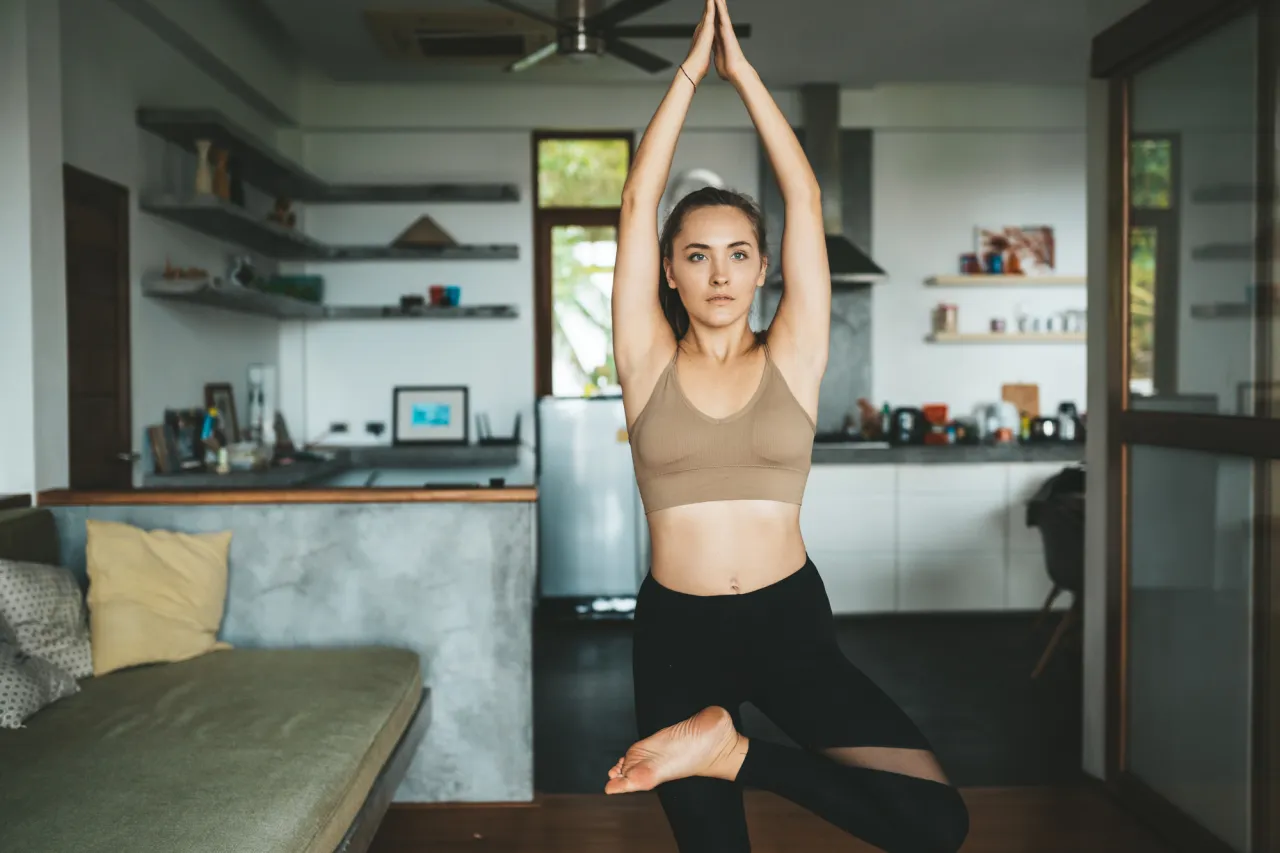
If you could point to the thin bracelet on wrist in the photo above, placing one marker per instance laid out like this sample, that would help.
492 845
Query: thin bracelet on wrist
690 79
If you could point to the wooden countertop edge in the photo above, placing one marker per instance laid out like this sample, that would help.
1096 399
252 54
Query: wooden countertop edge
151 497
15 501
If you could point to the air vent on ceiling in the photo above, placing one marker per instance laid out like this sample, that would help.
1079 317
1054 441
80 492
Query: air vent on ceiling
457 38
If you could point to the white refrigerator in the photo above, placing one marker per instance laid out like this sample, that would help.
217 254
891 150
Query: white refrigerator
593 540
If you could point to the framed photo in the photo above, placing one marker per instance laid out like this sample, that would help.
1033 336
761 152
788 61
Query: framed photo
218 395
430 414
183 428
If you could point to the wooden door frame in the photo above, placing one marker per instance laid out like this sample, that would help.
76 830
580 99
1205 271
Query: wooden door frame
86 184
1147 35
544 220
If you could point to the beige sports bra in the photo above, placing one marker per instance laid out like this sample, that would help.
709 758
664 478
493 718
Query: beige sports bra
761 452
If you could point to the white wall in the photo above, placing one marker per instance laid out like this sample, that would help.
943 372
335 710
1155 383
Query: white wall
932 188
33 362
346 370
946 160
109 70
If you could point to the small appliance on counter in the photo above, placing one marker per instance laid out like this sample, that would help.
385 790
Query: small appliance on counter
907 426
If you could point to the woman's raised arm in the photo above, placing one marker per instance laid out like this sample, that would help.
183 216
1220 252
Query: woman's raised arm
641 337
802 325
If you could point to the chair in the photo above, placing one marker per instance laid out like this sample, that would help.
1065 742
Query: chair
1057 511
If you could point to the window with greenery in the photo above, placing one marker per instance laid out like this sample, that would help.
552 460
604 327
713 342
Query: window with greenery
582 289
582 172
1142 303
1151 174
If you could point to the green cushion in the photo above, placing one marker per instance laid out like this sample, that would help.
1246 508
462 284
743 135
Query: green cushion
250 750
29 535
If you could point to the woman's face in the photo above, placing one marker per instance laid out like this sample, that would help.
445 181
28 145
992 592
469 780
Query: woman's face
716 265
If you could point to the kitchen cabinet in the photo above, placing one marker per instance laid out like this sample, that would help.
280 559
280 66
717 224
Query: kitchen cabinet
927 537
848 519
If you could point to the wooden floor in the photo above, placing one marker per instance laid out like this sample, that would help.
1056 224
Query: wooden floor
1003 820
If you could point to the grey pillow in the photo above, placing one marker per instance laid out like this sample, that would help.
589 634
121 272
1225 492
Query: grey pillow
46 611
28 684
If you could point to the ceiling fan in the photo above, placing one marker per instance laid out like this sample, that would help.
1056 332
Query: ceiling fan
586 28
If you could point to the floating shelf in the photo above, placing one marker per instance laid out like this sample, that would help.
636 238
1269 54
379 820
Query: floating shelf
1005 280
1222 310
275 174
232 296
1225 194
222 220
1006 337
1223 252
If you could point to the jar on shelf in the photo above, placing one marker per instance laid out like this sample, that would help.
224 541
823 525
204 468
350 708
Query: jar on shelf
945 317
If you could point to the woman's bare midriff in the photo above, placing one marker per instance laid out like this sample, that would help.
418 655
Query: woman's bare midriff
725 547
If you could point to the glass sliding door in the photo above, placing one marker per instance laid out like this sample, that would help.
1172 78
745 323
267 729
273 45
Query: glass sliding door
1193 442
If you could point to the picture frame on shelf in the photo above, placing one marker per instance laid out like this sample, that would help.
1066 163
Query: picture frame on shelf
430 415
220 396
188 448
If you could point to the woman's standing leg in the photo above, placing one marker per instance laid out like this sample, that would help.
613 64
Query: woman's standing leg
681 665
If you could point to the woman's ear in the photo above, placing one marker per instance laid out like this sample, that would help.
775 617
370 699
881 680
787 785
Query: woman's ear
666 271
764 270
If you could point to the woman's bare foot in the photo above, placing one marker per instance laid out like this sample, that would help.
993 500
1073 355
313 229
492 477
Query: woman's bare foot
706 744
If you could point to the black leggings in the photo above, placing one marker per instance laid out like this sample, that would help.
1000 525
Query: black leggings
776 648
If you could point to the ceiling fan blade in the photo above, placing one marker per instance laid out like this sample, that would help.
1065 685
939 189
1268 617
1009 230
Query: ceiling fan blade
532 59
669 31
636 56
619 11
522 9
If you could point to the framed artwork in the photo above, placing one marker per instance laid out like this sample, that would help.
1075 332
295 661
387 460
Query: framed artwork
218 395
430 414
183 428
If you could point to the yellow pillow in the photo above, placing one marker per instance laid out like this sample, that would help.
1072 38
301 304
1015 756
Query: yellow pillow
154 595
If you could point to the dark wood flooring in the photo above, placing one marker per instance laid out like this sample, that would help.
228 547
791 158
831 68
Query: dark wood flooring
1004 820
964 678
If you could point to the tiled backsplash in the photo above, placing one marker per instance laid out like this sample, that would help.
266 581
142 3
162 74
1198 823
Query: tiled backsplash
848 375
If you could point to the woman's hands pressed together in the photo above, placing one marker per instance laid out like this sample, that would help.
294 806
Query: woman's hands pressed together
731 63
698 62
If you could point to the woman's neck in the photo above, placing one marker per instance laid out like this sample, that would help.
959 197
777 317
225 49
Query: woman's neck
721 345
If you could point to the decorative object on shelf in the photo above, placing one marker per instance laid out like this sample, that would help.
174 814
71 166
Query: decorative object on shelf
204 174
430 414
220 396
221 175
375 428
997 325
452 295
981 279
945 317
485 437
163 449
173 273
1025 397
424 232
185 426
307 288
284 442
256 424
436 292
1026 249
412 302
969 264
282 213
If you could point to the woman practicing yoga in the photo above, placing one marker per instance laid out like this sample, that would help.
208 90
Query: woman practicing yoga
722 422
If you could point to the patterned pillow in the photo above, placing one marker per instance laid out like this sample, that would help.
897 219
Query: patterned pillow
46 611
28 684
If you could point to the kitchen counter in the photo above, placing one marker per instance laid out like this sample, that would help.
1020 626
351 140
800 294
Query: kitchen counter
379 467
855 454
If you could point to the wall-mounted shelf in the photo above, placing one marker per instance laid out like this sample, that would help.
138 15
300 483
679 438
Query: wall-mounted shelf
1223 252
232 296
1223 310
264 167
1006 337
214 217
1005 280
1224 194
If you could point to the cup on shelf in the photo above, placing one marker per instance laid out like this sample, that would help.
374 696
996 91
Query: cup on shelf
452 293
436 293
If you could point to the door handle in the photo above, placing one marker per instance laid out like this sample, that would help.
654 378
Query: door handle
128 457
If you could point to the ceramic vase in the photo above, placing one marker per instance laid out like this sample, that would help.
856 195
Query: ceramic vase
204 173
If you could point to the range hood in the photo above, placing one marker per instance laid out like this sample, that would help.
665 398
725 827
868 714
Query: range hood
820 105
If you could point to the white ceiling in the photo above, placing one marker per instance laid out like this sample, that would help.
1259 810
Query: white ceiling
853 42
